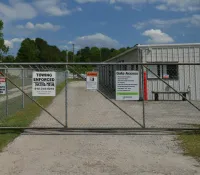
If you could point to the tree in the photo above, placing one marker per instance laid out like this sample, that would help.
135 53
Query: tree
42 47
3 48
8 58
40 51
28 51
95 54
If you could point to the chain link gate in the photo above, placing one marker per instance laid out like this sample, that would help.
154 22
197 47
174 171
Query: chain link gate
19 109
165 102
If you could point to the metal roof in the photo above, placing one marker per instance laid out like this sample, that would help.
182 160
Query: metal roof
169 45
153 45
122 54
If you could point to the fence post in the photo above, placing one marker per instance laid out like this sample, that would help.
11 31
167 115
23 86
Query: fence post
143 97
7 112
66 95
145 89
22 88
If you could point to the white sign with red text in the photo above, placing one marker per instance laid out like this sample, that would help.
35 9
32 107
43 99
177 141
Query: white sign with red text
2 85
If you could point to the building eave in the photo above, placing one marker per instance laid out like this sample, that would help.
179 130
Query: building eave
122 54
170 45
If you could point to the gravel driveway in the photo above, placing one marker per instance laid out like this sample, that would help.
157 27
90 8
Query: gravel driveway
61 153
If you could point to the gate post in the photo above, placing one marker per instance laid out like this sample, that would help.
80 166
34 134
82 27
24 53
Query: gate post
22 75
66 96
143 96
6 73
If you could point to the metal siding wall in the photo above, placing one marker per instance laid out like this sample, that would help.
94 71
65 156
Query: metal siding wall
181 72
130 57
107 76
192 74
187 68
176 83
188 75
197 60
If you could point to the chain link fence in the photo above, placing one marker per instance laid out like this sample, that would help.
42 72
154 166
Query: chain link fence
168 96
18 83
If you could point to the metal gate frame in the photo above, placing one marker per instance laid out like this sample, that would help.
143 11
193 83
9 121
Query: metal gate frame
29 97
65 126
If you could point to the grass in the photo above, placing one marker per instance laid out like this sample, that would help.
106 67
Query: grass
23 118
190 142
18 82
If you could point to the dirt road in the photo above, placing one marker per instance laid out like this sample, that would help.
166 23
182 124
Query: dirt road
61 153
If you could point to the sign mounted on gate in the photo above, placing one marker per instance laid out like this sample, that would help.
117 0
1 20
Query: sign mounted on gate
92 80
127 85
2 85
44 84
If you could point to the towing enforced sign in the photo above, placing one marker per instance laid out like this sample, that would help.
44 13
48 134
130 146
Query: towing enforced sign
44 84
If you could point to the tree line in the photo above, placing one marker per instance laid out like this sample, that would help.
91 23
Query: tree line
39 50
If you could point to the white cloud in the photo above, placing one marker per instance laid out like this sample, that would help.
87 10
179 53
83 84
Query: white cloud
179 5
103 23
172 5
64 47
157 36
10 43
79 9
55 7
118 8
98 40
52 7
193 20
17 10
44 26
89 1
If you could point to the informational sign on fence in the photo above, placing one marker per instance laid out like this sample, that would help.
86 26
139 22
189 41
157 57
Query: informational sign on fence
44 84
2 85
92 80
127 85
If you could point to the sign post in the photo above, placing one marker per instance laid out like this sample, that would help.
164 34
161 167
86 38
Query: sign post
44 84
127 85
92 80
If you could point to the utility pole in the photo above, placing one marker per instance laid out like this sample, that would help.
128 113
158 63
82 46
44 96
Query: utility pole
73 52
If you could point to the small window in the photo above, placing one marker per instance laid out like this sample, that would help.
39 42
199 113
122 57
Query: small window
172 71
163 71
153 70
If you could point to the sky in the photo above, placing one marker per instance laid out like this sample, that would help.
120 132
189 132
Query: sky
101 23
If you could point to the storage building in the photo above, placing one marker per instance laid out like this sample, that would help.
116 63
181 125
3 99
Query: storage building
183 78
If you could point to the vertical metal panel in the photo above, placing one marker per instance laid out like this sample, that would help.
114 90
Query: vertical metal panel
173 80
181 71
186 68
151 84
106 74
194 73
163 85
157 81
198 73
114 82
